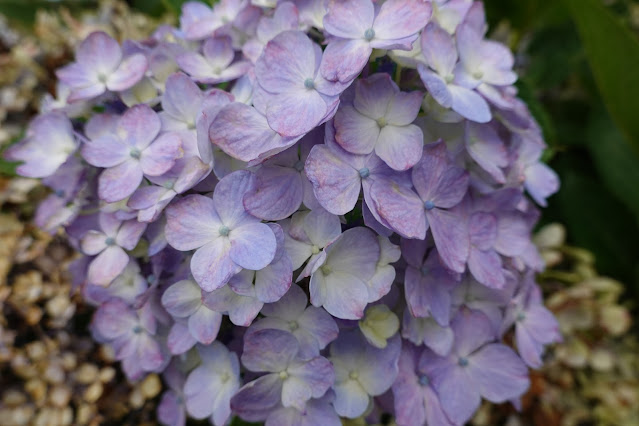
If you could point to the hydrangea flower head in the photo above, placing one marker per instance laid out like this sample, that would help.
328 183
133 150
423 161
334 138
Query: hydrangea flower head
257 187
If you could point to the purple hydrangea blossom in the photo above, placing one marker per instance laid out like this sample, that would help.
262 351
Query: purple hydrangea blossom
313 327
416 402
211 385
290 380
298 98
535 326
132 335
248 291
440 186
441 78
47 145
357 27
361 371
241 151
475 368
100 65
226 237
380 120
337 175
339 283
185 299
215 64
135 149
109 244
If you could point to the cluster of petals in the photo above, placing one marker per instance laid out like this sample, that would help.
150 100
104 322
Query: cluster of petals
304 211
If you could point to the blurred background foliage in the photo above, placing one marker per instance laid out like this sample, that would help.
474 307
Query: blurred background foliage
577 61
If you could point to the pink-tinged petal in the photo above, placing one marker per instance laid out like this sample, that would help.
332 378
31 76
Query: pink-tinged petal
160 156
139 126
312 265
356 133
243 133
289 307
529 349
322 227
401 18
192 222
130 71
344 59
101 125
437 180
204 325
457 393
106 151
114 319
212 266
117 183
195 65
345 295
182 98
401 208
198 21
513 234
272 282
228 196
470 104
356 248
252 246
335 184
256 399
107 266
319 324
129 234
541 182
218 52
269 350
288 60
499 372
451 237
439 50
381 283
179 339
277 195
309 380
86 92
241 310
147 197
349 19
182 299
486 267
487 149
436 86
100 52
404 108
297 112
374 94
170 410
472 329
400 147
93 243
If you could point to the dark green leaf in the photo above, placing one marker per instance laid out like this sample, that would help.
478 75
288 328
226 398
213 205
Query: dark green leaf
616 162
613 54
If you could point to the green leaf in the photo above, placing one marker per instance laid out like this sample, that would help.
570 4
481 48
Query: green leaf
8 168
616 162
595 219
613 54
